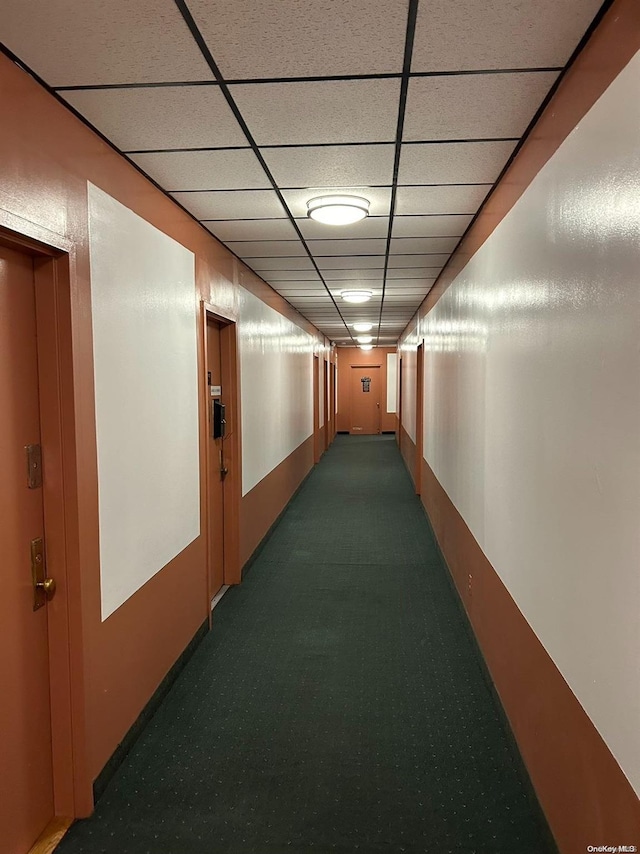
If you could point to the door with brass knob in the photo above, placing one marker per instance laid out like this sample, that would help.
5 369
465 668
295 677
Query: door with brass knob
26 781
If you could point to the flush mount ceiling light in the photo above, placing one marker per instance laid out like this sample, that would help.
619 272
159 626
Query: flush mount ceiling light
364 339
356 296
363 327
338 210
366 346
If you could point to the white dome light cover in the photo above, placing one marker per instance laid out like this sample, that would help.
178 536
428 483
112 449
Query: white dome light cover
363 326
356 295
364 339
338 210
366 346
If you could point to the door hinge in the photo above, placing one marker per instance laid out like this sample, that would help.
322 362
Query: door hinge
34 466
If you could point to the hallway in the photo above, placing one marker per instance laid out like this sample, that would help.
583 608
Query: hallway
338 705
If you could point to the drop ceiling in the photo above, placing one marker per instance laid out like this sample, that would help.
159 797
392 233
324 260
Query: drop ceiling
243 110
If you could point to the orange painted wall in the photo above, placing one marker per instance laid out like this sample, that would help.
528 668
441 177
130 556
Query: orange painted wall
47 156
352 356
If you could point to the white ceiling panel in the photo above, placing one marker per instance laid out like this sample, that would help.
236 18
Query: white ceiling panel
288 275
264 248
409 285
332 111
369 227
399 262
440 200
474 106
81 44
498 33
379 198
412 273
410 245
285 264
252 229
241 204
365 264
321 248
366 278
160 117
331 165
453 163
430 226
291 38
204 170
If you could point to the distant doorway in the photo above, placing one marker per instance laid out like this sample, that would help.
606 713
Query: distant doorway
365 392
222 455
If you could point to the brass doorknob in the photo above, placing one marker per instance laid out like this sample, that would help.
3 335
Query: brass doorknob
48 586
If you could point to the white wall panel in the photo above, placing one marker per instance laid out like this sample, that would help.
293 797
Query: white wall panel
392 381
532 402
276 383
146 386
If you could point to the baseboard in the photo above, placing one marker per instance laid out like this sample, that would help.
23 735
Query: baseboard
117 757
255 554
534 803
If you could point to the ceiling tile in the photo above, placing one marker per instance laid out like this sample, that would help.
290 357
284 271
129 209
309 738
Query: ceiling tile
413 273
347 247
407 285
241 204
296 284
498 34
283 264
368 278
369 227
204 170
430 226
328 111
440 200
397 262
290 38
331 165
160 117
364 263
263 248
82 44
458 163
474 106
400 245
252 229
379 198
288 275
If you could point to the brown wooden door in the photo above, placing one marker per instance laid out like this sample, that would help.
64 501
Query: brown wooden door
316 410
26 779
365 400
419 416
216 460
327 413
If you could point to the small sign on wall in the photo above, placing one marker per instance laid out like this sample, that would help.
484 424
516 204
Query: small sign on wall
366 384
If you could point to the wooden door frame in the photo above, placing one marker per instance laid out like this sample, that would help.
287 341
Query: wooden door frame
325 397
316 408
231 485
359 368
419 415
399 401
54 268
332 398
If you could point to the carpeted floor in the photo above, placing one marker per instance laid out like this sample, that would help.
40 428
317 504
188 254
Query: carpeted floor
337 706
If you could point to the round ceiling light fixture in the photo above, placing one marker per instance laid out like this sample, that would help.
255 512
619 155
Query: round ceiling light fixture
356 296
364 339
363 326
338 210
366 346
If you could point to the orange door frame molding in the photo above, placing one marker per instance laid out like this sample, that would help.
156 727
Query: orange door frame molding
233 445
54 265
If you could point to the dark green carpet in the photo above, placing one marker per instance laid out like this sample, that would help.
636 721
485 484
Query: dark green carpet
338 705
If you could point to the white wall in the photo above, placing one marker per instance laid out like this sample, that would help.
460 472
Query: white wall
146 385
276 386
532 409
